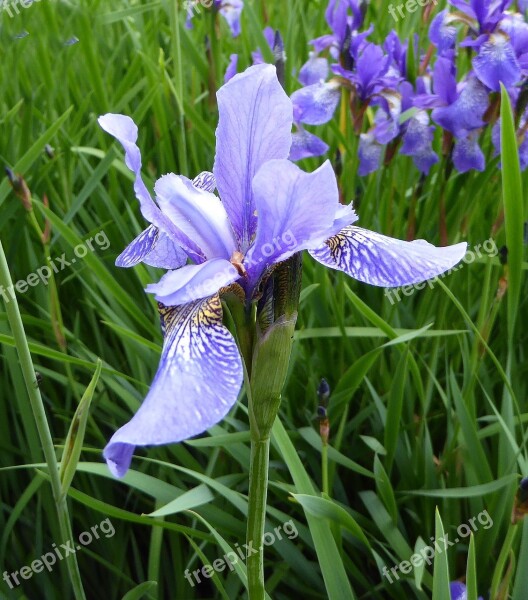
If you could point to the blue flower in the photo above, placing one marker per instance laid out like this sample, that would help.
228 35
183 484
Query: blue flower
229 9
266 210
460 110
458 591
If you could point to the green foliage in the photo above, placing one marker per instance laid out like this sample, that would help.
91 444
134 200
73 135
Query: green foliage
428 412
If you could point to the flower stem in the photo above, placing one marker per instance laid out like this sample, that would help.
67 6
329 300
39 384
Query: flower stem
258 489
39 414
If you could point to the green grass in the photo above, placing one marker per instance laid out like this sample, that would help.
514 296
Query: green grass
427 414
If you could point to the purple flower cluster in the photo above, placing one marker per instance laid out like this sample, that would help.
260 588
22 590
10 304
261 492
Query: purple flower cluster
407 106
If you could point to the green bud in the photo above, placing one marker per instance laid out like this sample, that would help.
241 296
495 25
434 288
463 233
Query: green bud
271 359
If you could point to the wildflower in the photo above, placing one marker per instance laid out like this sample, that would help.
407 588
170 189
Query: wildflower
458 591
458 109
267 210
229 9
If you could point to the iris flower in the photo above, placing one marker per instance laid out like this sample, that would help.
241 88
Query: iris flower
458 591
459 109
266 210
229 9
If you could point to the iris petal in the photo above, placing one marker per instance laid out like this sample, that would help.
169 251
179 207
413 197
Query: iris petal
125 131
231 12
316 69
306 145
255 126
197 383
383 261
193 282
154 248
496 63
315 104
467 155
197 214
296 211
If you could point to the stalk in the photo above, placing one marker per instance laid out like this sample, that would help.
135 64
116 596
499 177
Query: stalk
39 414
258 491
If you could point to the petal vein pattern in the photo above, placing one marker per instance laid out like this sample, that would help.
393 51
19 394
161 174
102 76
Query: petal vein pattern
197 382
383 261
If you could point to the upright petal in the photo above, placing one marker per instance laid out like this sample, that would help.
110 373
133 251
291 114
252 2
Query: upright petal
197 383
125 131
154 248
197 214
383 261
296 211
193 282
255 126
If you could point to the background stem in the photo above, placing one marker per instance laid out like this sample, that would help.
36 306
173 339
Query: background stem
39 413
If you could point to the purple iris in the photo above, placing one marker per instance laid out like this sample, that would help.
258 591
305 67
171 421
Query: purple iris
343 17
229 9
460 110
458 591
267 210
500 40
415 132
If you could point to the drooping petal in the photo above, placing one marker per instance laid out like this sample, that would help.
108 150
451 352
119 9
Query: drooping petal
516 27
458 590
255 126
467 155
417 142
296 211
467 112
197 214
205 181
315 70
125 131
231 10
306 145
383 261
154 248
316 104
496 62
370 154
193 282
197 383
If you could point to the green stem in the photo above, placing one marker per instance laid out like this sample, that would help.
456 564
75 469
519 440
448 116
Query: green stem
503 557
258 489
324 469
39 414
